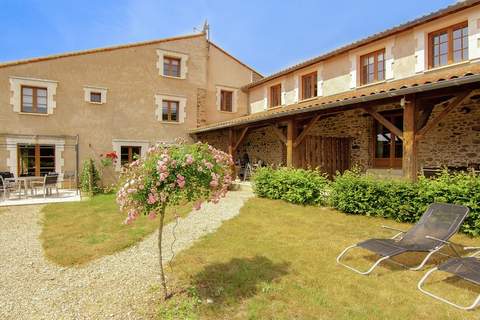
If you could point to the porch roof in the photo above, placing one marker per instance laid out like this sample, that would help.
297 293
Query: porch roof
430 80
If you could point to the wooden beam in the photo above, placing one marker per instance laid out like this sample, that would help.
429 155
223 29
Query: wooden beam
240 139
452 105
409 161
279 134
305 131
424 116
290 141
230 142
390 126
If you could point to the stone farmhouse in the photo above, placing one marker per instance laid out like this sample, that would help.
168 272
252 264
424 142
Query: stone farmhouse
400 101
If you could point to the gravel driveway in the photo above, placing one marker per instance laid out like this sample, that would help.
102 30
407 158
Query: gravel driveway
113 287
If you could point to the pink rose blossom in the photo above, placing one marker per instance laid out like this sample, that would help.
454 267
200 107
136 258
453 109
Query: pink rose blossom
152 198
152 215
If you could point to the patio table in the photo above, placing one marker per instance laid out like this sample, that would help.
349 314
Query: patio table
25 183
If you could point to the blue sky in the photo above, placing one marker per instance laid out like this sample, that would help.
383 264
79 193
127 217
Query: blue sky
266 34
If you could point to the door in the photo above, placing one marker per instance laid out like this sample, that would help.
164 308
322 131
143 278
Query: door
35 159
388 148
329 154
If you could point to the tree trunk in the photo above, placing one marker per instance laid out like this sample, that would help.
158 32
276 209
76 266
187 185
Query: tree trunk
160 233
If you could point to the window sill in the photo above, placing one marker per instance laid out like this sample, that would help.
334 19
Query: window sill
228 112
91 102
371 84
453 65
170 122
34 114
172 77
308 99
275 107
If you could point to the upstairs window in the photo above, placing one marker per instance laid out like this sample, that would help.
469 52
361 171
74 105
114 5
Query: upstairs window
128 154
170 110
372 67
449 45
96 97
171 67
226 100
34 100
276 95
309 85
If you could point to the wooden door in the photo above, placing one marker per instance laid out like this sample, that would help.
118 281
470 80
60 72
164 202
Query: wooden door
329 154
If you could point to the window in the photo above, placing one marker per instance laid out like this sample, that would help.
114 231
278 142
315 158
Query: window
372 67
226 100
170 110
171 67
95 97
34 100
309 85
388 147
35 159
449 45
276 95
128 154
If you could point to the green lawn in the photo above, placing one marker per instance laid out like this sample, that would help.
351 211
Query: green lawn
77 232
277 261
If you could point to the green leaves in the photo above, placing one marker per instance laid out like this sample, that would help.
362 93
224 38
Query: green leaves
299 186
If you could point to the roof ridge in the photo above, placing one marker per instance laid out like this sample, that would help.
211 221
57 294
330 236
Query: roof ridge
96 50
455 7
233 57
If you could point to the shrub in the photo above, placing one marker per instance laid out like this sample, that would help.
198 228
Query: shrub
90 177
299 186
405 201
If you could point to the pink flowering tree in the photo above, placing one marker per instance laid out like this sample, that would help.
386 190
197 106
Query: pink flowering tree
170 175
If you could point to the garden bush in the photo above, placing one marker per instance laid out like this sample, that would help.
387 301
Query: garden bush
405 201
90 178
299 186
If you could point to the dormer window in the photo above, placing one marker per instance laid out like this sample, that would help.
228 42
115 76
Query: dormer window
171 67
449 45
309 85
34 100
372 67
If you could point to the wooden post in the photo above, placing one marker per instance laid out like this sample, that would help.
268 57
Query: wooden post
290 142
231 145
409 163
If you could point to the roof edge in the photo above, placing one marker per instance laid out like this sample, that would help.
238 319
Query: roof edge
453 8
97 50
234 58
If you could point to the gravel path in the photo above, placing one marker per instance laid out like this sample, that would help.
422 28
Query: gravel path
113 287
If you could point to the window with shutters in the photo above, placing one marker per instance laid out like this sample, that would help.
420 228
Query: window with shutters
275 95
226 100
309 85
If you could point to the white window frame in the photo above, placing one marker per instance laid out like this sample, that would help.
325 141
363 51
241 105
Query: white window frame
89 89
218 98
183 62
182 105
16 84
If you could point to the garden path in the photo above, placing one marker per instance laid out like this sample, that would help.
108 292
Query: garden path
118 286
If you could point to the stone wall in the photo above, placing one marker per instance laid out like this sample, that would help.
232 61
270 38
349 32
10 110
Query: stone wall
263 144
349 124
455 141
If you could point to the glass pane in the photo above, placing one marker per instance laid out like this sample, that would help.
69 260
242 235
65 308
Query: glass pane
444 48
457 56
165 111
27 107
443 60
457 44
444 37
174 110
398 147
46 150
136 151
27 99
41 92
27 91
457 33
42 100
436 40
383 137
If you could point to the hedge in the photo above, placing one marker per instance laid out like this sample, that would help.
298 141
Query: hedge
299 186
356 193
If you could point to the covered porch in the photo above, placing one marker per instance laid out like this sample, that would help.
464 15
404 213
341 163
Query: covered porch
399 129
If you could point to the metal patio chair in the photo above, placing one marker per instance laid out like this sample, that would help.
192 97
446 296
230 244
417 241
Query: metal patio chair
50 181
467 268
6 185
439 222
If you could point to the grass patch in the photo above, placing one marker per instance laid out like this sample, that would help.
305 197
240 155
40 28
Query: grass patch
277 261
75 233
